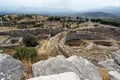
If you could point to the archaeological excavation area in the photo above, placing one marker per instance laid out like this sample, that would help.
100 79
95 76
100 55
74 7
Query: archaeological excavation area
82 54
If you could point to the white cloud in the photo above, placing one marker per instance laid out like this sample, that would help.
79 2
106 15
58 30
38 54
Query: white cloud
71 4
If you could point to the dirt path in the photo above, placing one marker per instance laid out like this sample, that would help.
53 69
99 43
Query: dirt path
42 46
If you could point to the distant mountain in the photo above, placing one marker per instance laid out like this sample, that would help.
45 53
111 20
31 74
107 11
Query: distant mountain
96 15
106 12
31 10
112 10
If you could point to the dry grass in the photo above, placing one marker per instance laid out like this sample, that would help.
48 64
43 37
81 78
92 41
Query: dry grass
2 37
8 51
27 70
28 65
3 29
104 74
43 45
42 56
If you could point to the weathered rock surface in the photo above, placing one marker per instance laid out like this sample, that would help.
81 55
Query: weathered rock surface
87 69
10 69
83 68
62 76
112 67
116 56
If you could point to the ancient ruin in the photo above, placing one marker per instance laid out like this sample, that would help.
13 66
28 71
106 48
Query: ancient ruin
98 46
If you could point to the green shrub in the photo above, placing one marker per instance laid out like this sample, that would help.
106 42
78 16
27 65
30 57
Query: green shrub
24 53
30 41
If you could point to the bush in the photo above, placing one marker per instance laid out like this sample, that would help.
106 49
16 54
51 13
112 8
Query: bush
39 24
30 41
24 53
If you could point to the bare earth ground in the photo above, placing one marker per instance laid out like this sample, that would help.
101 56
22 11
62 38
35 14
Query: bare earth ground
2 37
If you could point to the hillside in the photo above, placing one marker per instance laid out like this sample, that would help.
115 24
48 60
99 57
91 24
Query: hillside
110 9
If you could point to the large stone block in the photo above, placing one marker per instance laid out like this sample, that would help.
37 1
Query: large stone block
63 76
83 68
10 69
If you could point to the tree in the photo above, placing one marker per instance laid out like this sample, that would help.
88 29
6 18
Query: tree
30 41
77 17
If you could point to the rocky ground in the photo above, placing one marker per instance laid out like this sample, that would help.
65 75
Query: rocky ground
82 54
61 68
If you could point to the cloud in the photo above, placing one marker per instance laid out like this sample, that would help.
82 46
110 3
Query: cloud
70 4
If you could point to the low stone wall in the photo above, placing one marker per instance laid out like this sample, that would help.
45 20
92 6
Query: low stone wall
45 36
111 32
83 36
104 43
2 42
35 32
7 43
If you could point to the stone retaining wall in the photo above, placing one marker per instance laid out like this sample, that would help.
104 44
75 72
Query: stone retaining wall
6 43
38 31
83 36
2 42
111 32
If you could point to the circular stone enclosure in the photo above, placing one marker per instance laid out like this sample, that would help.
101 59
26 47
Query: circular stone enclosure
82 38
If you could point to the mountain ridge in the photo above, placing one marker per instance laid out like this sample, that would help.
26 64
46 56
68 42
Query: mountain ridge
111 12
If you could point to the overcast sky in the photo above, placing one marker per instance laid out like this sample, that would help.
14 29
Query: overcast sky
63 4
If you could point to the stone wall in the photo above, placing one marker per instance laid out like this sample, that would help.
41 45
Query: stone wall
111 32
83 36
38 31
45 36
7 42
2 42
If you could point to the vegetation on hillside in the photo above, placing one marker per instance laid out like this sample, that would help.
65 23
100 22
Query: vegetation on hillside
30 41
33 21
111 22
25 53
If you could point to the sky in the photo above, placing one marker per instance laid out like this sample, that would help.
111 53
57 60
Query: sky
60 4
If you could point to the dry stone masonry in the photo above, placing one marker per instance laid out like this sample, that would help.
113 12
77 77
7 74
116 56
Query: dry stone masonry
92 43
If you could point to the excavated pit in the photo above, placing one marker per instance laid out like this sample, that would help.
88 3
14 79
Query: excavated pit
90 45
76 42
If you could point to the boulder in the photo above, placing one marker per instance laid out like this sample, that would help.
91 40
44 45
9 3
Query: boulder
112 67
116 57
10 68
62 76
83 68
87 69
55 65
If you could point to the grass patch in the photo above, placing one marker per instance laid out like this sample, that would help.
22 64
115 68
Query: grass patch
104 74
